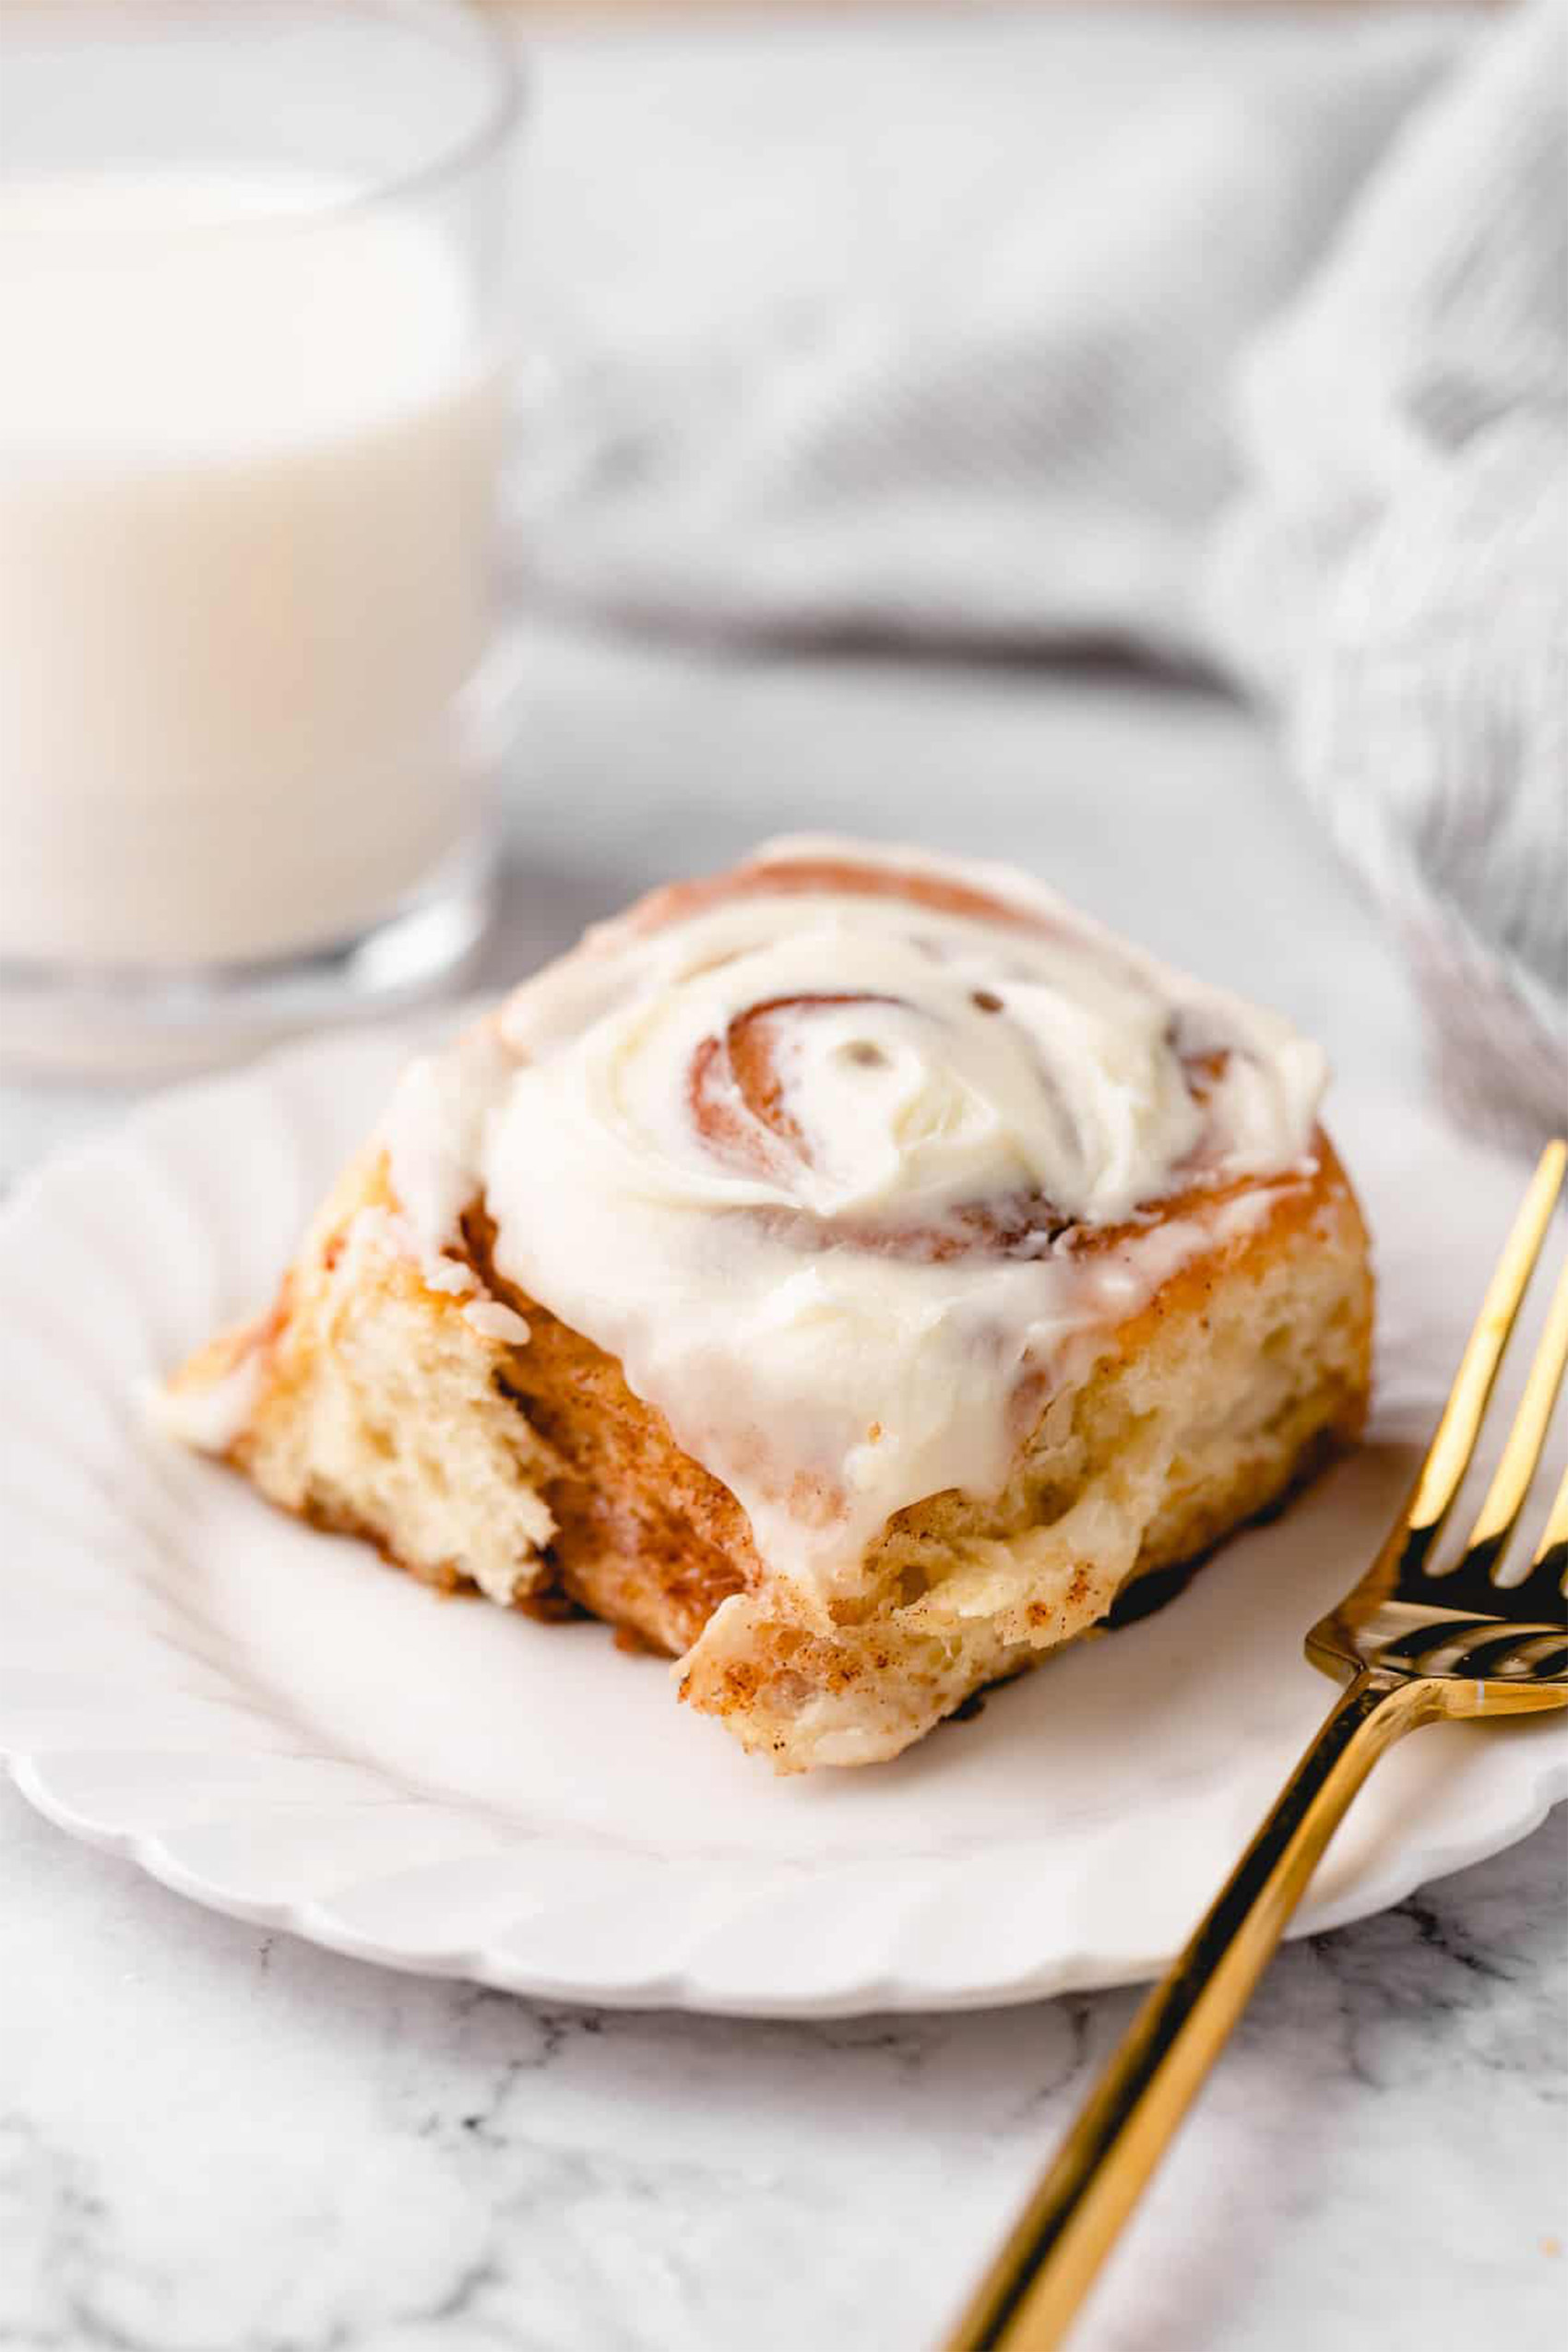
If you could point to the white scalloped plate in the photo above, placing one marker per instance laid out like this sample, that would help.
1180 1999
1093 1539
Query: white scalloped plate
272 1723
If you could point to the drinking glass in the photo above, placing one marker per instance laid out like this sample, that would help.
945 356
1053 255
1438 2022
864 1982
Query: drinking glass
253 301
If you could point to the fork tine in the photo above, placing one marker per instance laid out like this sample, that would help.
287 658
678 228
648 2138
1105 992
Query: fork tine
1448 1457
1551 1562
1498 1514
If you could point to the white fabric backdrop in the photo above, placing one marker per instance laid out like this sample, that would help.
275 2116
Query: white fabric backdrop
1235 341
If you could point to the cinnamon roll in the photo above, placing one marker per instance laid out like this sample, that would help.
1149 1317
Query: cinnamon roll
846 1274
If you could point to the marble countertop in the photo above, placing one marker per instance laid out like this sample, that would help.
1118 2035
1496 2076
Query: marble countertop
214 2140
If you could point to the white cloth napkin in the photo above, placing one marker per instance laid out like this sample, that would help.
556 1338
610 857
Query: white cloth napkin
932 332
925 327
1397 572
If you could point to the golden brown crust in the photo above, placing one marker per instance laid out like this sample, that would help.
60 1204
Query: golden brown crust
645 1538
841 877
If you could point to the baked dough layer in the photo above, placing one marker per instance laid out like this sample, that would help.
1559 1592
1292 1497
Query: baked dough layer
371 1401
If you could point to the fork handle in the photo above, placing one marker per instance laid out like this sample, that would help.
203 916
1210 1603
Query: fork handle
1027 2299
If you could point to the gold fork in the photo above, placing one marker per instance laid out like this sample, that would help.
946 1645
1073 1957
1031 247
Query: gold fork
1415 1643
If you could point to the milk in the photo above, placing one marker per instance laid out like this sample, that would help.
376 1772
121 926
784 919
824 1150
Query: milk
248 448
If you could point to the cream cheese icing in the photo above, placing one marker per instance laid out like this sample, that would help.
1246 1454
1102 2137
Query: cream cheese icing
812 1152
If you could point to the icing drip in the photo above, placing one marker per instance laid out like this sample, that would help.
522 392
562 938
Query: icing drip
837 1152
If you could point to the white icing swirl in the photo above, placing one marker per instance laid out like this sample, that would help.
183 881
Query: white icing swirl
808 1152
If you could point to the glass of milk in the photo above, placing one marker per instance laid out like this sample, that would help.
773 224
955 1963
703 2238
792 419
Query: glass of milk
252 328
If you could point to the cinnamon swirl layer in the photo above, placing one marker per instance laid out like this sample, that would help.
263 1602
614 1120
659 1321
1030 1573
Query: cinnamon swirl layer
850 1159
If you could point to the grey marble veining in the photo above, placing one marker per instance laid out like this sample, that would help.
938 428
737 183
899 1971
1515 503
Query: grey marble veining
213 2140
